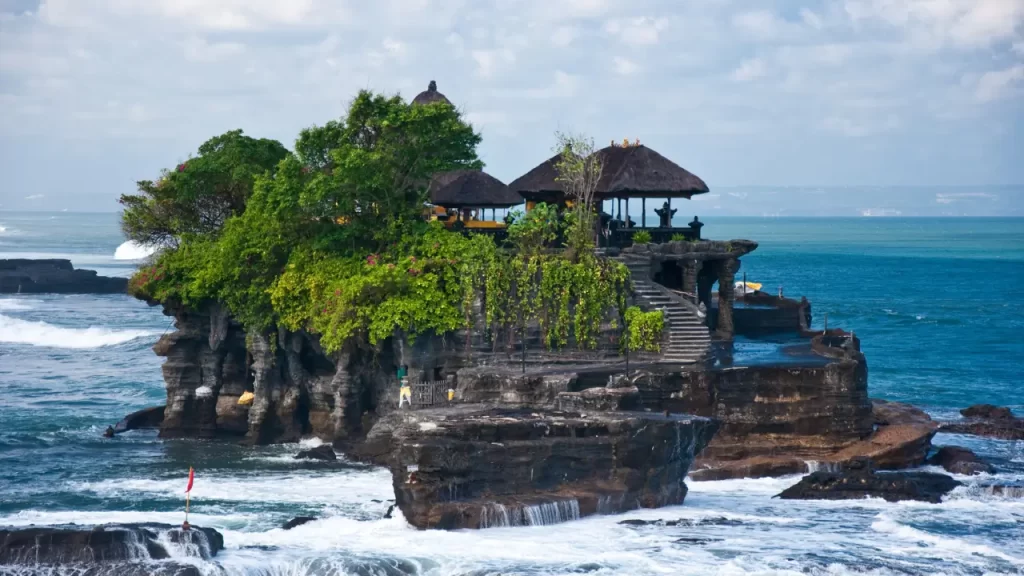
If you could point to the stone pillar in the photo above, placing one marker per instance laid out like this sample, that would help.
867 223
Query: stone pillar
726 297
691 270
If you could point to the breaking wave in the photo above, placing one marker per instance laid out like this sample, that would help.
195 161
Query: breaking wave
131 250
10 304
16 331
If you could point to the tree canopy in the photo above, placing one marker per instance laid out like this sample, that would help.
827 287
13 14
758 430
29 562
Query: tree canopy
200 194
332 238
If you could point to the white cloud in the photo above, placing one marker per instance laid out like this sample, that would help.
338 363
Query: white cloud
749 70
151 79
34 197
1000 84
964 23
563 36
486 61
764 25
811 19
199 50
637 31
623 66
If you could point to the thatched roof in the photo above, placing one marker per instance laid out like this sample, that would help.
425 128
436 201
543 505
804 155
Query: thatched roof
430 95
627 172
540 184
637 172
471 189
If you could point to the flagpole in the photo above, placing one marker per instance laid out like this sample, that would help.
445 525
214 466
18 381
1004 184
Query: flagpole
187 498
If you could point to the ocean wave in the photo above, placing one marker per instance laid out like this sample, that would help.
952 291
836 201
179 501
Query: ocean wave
17 331
131 250
955 547
17 304
342 488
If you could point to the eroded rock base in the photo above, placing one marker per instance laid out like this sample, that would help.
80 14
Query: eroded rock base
474 466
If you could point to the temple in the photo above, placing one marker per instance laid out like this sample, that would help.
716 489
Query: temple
506 428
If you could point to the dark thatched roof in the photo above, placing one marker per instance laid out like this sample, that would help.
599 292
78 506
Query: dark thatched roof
540 184
627 172
430 95
471 189
638 171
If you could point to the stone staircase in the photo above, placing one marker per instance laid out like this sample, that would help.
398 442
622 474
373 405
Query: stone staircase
688 339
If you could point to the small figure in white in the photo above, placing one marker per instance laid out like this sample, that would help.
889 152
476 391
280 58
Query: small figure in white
405 393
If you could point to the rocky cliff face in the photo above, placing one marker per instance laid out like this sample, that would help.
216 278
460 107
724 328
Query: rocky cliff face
297 389
476 466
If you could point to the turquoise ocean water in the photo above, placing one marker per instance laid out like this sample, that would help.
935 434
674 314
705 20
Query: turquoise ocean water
938 304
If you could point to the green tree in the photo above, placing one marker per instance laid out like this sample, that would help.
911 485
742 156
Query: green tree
199 195
375 179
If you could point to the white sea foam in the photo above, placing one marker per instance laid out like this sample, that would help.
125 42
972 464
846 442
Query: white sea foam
349 487
945 545
17 331
15 304
131 250
62 517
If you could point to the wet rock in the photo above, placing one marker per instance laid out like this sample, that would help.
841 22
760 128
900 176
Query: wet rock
888 413
754 467
55 276
1004 491
102 544
989 421
960 461
859 480
298 521
475 466
145 418
321 452
693 541
987 411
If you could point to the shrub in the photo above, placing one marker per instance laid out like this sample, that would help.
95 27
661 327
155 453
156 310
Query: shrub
642 237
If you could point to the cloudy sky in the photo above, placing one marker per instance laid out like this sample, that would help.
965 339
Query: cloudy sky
95 94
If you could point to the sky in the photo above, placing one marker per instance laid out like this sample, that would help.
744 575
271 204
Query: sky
774 103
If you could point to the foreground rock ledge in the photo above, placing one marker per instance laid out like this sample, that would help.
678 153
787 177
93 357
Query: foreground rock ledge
69 545
474 466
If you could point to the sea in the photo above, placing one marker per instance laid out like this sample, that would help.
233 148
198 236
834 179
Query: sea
937 303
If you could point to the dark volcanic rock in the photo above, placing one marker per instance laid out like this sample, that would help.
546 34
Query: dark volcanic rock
987 411
987 420
104 544
145 418
888 413
54 277
298 521
960 461
322 452
473 466
859 480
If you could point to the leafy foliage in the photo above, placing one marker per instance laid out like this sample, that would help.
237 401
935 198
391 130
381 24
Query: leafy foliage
199 195
332 239
643 329
642 237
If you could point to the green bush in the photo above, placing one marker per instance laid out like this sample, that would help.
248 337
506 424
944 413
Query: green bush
642 237
643 329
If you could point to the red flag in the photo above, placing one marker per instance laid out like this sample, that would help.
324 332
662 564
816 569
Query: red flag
191 476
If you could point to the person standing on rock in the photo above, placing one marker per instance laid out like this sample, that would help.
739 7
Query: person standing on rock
405 393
